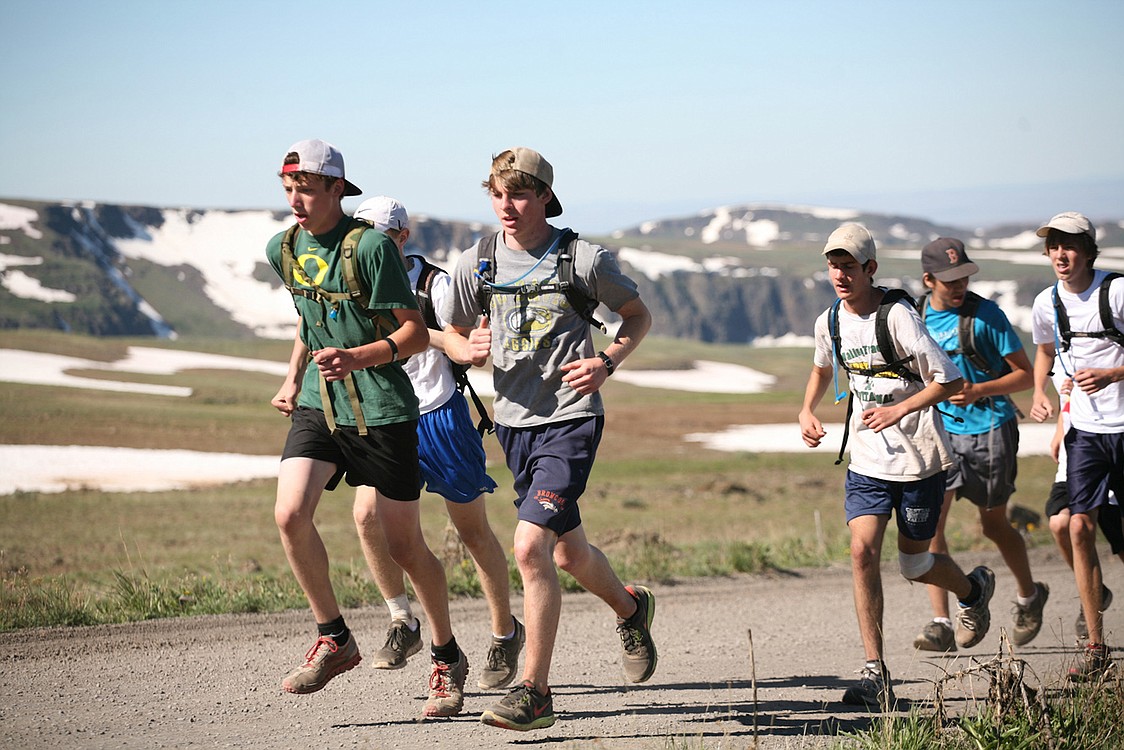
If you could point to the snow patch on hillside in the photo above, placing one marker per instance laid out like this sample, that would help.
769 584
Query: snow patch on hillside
225 247
19 219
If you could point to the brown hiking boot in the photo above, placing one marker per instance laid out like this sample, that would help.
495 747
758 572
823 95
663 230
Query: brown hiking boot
446 687
323 661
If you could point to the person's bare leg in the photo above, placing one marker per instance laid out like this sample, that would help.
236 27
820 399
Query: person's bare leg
300 483
1011 545
387 573
471 522
1087 570
401 524
938 597
866 555
542 600
589 567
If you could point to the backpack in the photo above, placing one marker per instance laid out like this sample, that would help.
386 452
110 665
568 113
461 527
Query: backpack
894 367
1063 336
460 372
579 300
966 339
355 294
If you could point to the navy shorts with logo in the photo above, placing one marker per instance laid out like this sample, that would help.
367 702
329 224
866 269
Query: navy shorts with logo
917 503
386 458
551 465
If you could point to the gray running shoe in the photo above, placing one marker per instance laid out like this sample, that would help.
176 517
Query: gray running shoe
935 636
972 623
401 644
1028 619
640 657
1082 626
874 690
323 661
446 687
522 709
1095 663
503 659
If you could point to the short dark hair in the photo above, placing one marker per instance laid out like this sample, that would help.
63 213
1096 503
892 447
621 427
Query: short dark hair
1084 241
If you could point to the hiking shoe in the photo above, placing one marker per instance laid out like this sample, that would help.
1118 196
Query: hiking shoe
935 636
323 661
972 622
874 689
522 709
1028 619
1082 626
503 659
640 658
446 687
1095 664
401 644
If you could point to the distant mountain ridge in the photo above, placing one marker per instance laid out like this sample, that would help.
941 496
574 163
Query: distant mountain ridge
732 274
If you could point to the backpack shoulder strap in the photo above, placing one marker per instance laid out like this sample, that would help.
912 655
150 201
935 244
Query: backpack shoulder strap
486 272
833 331
422 290
882 330
1061 321
583 303
1111 331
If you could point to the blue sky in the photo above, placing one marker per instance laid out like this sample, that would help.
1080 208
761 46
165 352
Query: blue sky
957 111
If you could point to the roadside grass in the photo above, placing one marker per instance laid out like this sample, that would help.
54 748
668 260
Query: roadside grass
1012 716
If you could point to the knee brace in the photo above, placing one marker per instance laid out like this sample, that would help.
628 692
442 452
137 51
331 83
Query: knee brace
915 566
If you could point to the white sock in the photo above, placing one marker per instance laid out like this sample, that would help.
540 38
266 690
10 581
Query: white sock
1025 600
399 608
943 621
510 635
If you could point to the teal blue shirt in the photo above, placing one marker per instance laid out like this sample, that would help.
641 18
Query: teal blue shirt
995 340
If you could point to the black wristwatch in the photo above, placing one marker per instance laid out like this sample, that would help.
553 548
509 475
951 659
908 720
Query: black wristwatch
609 366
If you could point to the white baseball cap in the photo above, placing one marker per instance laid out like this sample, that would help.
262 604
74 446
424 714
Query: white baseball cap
383 212
319 157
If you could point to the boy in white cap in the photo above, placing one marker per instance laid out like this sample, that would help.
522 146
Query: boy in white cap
354 414
1078 324
899 452
548 408
983 429
452 465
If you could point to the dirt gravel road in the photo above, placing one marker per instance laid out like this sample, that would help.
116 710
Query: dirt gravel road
214 681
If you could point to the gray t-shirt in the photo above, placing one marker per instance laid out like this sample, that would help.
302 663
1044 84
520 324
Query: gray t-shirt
534 335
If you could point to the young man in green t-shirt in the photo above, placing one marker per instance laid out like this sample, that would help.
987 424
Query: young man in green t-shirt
354 416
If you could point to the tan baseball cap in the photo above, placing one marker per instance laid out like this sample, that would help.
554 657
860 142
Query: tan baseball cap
1069 222
855 239
529 161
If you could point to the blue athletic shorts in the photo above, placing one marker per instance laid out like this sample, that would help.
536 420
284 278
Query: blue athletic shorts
386 458
1094 465
451 453
918 503
551 465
